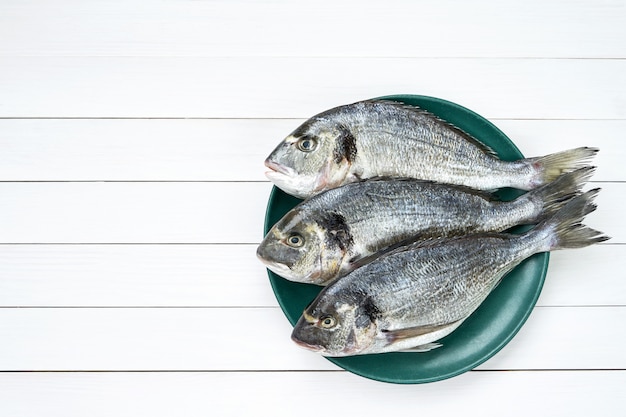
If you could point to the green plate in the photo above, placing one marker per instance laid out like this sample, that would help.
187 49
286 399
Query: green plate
485 332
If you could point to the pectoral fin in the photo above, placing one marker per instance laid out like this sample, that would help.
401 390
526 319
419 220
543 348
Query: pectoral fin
412 332
420 338
423 348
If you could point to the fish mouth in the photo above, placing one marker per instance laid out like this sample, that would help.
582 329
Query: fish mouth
287 179
276 267
276 169
308 346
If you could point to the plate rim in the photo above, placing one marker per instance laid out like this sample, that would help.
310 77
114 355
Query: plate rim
542 257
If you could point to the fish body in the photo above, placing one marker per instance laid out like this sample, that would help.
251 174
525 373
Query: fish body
378 138
417 294
332 233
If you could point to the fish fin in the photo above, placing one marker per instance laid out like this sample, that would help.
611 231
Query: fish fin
414 242
356 262
554 195
550 167
423 348
411 332
486 194
332 175
565 228
418 242
418 110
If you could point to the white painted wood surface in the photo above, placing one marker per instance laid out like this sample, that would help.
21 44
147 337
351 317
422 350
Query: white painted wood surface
132 196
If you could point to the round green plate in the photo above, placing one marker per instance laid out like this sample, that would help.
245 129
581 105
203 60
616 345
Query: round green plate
485 332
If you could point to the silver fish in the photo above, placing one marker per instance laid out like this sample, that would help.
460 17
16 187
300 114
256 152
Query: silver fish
332 233
388 139
416 295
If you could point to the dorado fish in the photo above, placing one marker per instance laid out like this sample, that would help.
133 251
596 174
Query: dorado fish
332 233
414 296
388 139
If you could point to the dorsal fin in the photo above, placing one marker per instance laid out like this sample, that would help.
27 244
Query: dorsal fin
481 193
417 242
418 110
414 242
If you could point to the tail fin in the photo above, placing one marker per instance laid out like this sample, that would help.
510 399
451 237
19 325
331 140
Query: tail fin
565 228
550 198
550 167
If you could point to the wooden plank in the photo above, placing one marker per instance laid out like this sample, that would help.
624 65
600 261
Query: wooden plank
300 87
247 339
221 59
230 276
534 346
228 149
541 137
133 275
133 212
184 212
352 28
144 150
150 339
588 276
571 393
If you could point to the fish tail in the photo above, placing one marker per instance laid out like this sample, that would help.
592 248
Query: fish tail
548 168
550 198
565 230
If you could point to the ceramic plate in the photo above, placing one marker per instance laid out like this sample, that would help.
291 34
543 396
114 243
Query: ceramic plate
485 332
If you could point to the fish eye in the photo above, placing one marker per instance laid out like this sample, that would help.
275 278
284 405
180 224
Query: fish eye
327 322
295 240
307 144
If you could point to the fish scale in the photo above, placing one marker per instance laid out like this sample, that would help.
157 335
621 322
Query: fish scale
421 292
341 228
376 138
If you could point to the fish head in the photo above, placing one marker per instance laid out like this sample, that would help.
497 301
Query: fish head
300 248
335 327
315 157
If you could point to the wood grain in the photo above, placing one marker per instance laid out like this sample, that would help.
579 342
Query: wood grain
555 393
216 275
277 87
399 28
226 339
132 195
187 212
229 149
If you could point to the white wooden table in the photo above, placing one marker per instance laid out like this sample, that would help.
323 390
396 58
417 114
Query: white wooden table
132 196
